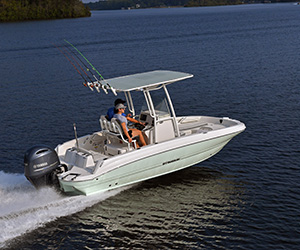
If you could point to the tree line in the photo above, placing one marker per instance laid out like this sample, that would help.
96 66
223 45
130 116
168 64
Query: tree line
125 4
20 10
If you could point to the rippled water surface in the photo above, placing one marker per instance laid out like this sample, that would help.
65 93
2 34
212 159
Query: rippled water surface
246 65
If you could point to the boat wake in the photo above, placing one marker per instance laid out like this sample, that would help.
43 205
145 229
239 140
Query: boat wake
23 208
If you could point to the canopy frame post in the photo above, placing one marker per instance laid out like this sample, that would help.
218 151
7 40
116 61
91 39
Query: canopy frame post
129 102
175 123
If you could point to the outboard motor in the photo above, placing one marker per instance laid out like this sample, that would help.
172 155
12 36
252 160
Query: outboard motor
41 163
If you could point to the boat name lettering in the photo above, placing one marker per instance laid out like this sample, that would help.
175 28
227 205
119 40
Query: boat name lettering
167 162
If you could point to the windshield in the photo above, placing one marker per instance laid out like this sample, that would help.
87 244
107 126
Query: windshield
160 104
161 107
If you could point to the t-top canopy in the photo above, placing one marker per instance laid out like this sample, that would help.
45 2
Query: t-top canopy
147 79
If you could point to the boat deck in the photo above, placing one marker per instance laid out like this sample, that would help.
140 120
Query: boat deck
193 125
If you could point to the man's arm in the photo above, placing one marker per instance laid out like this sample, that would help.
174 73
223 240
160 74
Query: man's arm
123 125
134 120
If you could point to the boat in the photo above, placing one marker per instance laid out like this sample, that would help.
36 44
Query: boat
105 160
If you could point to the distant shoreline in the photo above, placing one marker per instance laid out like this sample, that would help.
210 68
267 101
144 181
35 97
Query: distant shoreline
13 11
129 4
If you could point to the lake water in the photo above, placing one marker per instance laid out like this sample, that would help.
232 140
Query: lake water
246 65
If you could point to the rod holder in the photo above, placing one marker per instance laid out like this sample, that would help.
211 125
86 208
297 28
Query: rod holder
75 132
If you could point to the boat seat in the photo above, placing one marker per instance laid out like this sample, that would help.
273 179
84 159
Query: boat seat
112 149
103 122
113 128
78 158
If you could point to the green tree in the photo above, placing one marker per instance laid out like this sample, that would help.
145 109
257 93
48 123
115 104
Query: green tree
19 10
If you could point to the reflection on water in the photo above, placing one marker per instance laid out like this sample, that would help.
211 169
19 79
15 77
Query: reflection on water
196 203
171 210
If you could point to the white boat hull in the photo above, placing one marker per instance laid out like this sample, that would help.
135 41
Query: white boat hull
149 162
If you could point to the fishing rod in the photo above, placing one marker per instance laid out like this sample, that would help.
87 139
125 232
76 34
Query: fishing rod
89 84
112 89
87 69
86 82
102 86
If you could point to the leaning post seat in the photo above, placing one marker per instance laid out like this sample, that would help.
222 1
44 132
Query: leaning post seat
113 128
116 128
102 122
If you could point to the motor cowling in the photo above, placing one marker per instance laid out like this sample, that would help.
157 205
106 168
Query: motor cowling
40 164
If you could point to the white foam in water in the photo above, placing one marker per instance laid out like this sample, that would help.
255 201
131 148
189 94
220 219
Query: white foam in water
23 208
